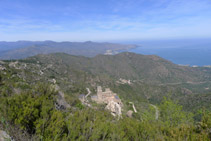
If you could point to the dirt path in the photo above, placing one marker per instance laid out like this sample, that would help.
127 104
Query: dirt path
156 111
188 82
134 108
89 92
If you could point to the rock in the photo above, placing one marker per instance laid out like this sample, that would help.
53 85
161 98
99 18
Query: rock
61 103
186 91
41 72
130 113
115 108
2 68
54 81
124 81
13 64
4 136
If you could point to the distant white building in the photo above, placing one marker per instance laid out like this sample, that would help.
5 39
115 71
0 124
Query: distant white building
109 52
207 66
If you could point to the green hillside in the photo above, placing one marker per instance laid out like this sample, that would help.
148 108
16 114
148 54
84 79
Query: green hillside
151 77
28 94
152 69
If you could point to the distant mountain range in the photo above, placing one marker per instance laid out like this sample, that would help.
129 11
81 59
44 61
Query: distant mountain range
23 49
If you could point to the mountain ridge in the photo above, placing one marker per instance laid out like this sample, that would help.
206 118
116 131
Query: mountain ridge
24 49
127 65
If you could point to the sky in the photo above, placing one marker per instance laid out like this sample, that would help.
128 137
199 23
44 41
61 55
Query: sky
104 20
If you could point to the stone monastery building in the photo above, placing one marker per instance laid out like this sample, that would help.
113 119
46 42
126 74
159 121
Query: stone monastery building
106 96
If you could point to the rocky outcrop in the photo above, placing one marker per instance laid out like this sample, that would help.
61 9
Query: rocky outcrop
61 103
2 68
115 108
4 136
130 113
186 91
124 81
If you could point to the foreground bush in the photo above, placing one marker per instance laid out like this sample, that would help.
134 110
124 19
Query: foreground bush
33 111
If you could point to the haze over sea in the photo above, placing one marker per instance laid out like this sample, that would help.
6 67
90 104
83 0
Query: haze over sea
183 51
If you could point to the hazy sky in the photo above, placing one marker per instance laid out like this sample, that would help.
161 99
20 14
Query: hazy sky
80 20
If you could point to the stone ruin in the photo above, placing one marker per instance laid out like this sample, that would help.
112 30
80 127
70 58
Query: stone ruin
110 98
106 96
114 108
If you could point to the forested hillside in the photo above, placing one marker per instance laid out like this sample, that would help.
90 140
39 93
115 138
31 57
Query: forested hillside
172 102
147 68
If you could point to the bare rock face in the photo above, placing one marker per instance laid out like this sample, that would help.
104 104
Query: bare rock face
115 108
186 91
130 113
4 136
2 68
61 103
13 64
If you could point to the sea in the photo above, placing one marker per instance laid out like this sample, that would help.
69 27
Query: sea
192 52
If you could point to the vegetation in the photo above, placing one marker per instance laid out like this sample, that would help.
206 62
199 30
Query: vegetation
35 113
28 107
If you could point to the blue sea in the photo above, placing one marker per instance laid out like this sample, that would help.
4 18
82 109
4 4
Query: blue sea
184 52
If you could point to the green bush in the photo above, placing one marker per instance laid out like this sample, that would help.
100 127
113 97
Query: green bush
34 111
172 114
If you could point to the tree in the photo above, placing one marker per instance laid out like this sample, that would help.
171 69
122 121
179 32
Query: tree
171 113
